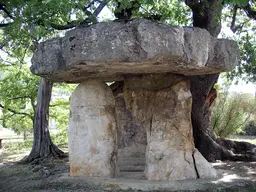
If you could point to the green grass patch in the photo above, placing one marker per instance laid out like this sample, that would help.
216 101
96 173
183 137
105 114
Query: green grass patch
14 147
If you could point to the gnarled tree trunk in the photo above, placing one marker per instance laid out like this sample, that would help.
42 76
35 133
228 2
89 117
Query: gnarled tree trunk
212 148
42 144
207 15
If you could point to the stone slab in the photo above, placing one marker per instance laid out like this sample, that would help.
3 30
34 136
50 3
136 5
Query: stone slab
112 50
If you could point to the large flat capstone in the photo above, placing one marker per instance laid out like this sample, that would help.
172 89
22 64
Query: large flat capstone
112 50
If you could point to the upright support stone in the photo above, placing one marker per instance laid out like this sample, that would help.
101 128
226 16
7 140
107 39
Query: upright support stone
163 105
92 131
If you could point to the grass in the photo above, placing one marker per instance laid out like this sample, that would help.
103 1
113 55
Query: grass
15 151
14 147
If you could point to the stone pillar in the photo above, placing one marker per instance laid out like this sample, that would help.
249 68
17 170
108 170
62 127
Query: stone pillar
92 131
162 103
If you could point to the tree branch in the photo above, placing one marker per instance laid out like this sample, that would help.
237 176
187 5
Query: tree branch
2 7
100 7
75 23
233 23
32 101
192 3
16 112
249 11
4 24
21 97
69 25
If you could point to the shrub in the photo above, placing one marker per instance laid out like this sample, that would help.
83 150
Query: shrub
231 112
60 138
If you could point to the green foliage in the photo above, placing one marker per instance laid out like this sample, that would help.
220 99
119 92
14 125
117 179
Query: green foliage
236 2
244 34
172 12
59 111
18 94
34 21
231 112
30 22
18 91
61 137
246 69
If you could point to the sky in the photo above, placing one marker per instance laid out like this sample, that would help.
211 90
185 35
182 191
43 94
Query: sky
241 87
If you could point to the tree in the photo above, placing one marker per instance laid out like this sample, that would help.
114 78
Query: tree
246 70
18 98
207 15
243 23
42 143
18 95
23 26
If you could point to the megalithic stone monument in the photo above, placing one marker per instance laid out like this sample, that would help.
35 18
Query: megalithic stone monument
154 61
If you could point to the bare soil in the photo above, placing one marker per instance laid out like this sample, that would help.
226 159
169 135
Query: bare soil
52 175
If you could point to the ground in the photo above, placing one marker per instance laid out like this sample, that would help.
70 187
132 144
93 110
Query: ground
52 175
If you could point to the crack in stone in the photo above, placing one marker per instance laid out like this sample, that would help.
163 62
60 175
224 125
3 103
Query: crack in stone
197 174
186 158
151 122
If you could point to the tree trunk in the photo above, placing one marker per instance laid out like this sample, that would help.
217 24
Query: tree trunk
207 15
42 145
212 148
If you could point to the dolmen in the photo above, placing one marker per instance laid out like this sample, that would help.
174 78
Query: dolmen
149 116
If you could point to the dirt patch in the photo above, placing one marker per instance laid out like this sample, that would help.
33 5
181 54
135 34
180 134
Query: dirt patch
53 175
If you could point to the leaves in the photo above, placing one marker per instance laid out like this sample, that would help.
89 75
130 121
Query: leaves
246 69
172 12
236 2
31 22
18 90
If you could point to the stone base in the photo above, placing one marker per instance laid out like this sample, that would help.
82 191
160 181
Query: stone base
92 131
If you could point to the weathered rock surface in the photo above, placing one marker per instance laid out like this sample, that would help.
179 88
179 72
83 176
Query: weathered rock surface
131 135
112 50
92 131
162 103
204 169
